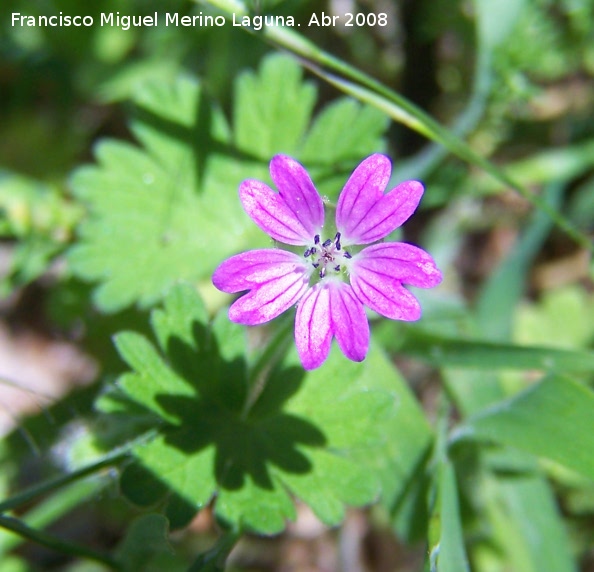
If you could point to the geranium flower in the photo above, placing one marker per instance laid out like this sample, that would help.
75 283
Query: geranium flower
329 278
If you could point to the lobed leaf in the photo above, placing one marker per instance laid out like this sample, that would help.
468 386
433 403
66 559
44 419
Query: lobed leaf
293 441
168 210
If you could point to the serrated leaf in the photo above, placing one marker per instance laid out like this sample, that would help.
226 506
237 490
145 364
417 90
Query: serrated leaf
168 211
272 109
552 419
344 131
162 213
293 441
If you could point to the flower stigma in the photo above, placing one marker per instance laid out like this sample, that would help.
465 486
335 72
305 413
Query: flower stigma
328 256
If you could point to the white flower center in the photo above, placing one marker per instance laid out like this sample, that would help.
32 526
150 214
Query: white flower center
327 257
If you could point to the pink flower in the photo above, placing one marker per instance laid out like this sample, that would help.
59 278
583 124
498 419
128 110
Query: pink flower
330 280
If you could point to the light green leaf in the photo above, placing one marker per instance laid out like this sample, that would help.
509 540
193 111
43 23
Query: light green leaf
169 210
272 109
565 315
159 214
344 131
552 419
496 20
41 220
292 441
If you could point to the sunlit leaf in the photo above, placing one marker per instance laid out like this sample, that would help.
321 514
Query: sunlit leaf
159 214
293 440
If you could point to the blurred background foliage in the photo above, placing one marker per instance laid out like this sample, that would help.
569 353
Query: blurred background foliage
488 463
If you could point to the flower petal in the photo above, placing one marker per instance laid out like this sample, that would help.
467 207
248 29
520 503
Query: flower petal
313 334
377 274
363 189
272 214
400 261
277 280
363 213
349 322
298 192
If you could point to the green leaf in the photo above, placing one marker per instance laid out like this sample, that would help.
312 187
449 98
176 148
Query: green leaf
145 540
532 531
565 315
344 131
451 555
446 351
272 109
168 210
552 419
496 20
160 214
41 220
292 441
503 290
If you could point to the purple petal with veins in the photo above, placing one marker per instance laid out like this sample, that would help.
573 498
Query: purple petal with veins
378 272
298 192
271 213
277 279
364 214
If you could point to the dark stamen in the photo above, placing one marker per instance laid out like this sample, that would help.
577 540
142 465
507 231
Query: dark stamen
307 252
317 239
347 255
337 268
323 272
338 244
315 264
327 243
337 237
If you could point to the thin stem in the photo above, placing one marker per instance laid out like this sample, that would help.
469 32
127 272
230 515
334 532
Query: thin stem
273 350
36 491
49 541
49 510
373 92
214 559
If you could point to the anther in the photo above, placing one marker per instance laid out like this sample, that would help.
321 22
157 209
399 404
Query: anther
337 268
338 245
306 253
323 272
347 255
327 243
315 264
317 239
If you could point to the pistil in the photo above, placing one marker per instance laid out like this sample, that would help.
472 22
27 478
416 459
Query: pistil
327 256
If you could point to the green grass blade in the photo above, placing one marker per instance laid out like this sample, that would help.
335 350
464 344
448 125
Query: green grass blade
368 90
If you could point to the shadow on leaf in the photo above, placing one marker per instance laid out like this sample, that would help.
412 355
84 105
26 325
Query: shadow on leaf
252 444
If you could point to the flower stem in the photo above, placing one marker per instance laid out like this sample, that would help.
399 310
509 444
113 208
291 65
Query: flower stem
213 560
274 350
113 458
